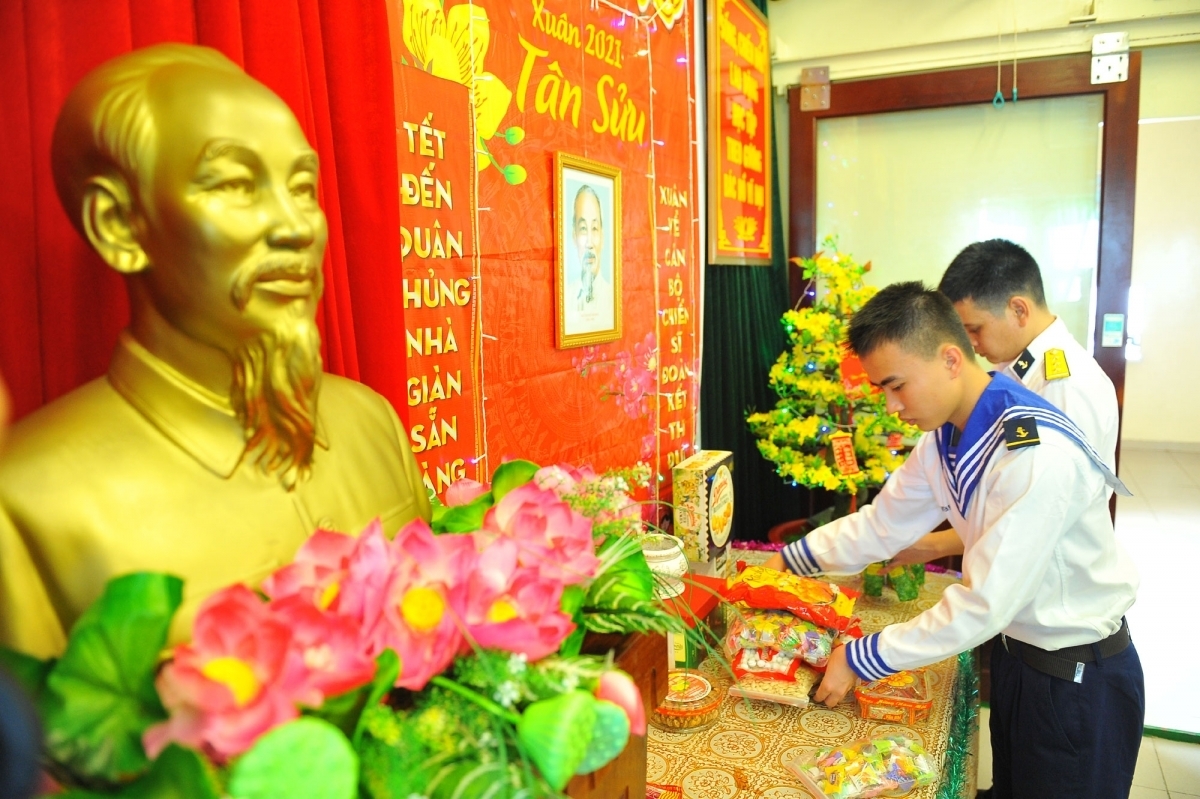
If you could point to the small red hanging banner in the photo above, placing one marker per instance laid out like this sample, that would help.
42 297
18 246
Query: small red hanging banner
855 382
843 453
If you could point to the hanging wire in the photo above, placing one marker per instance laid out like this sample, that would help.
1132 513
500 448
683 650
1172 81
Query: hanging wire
998 99
1014 8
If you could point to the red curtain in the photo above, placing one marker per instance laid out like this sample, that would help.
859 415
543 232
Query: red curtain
61 307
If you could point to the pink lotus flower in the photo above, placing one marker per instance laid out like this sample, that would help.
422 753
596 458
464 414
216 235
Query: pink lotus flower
549 536
563 480
325 651
317 572
463 492
232 683
620 689
411 596
513 608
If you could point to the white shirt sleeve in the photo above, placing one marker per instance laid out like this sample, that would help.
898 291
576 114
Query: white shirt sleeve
1032 497
904 511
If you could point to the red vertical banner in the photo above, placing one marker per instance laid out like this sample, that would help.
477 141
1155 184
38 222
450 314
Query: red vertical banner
739 112
435 148
674 209
609 81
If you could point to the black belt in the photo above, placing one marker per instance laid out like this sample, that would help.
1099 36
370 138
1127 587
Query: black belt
1068 663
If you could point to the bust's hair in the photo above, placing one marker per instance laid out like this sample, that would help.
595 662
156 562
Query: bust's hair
917 319
109 110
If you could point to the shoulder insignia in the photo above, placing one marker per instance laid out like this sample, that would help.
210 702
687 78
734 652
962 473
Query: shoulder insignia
1022 363
1056 365
1021 431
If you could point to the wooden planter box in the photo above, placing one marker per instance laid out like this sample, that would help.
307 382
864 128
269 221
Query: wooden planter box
644 657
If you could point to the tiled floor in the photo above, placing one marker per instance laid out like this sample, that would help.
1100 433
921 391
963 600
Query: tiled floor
1160 527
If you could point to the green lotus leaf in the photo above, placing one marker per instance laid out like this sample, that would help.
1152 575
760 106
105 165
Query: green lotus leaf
512 474
307 757
555 734
99 697
610 733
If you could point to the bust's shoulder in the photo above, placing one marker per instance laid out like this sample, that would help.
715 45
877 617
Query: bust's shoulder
342 392
346 403
94 410
76 434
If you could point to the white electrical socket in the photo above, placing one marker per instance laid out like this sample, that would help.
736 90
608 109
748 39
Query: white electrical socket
1113 68
1105 43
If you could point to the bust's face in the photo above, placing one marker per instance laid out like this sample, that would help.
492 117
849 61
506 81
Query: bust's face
230 219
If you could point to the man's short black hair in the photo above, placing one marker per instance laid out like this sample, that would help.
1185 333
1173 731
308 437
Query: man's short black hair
990 273
918 319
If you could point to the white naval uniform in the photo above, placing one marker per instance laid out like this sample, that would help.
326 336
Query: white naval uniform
1087 396
1041 559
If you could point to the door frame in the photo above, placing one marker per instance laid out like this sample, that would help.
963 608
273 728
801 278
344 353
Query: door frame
1051 77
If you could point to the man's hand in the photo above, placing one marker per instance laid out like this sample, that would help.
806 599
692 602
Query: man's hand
776 562
931 547
838 680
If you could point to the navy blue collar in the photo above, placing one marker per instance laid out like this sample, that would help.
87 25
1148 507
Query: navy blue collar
1004 399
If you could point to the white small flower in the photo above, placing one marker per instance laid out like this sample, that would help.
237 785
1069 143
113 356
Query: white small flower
517 662
507 693
571 682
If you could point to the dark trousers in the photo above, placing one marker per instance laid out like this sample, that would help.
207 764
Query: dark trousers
1059 739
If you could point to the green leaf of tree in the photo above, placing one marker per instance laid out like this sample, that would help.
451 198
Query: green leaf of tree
306 757
99 697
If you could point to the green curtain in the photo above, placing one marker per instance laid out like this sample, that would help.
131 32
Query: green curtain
742 338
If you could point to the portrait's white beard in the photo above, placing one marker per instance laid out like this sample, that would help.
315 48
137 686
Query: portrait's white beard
276 380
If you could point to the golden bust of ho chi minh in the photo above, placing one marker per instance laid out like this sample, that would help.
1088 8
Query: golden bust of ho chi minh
215 444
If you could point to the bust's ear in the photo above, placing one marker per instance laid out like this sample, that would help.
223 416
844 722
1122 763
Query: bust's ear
108 218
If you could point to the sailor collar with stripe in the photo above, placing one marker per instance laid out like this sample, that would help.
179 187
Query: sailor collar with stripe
1054 336
965 457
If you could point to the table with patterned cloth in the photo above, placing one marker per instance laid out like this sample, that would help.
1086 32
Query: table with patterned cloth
743 753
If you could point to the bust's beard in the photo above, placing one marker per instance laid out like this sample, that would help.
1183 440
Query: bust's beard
276 379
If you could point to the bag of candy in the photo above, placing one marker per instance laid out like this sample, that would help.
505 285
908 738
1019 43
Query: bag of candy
781 631
866 768
765 663
822 603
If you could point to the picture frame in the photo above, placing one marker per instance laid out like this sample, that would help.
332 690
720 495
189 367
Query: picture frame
587 251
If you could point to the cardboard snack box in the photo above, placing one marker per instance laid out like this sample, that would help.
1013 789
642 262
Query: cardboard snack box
703 492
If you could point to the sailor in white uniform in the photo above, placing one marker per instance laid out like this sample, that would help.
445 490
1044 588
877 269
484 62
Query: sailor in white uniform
997 290
1028 495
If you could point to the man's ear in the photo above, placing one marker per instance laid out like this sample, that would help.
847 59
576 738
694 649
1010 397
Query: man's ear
953 359
1021 309
108 221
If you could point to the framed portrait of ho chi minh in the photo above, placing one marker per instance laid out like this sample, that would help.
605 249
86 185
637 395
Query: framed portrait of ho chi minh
587 251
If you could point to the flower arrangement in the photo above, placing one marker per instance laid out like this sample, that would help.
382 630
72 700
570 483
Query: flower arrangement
821 394
442 662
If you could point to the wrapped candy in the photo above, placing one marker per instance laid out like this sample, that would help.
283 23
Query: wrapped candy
866 768
765 663
822 603
780 631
